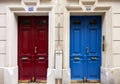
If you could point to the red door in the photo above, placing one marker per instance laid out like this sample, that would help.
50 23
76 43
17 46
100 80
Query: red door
32 48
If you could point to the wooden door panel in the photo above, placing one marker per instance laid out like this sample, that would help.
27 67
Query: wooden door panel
25 42
25 36
33 48
76 48
26 67
85 47
41 42
41 36
25 48
76 36
94 47
41 65
93 68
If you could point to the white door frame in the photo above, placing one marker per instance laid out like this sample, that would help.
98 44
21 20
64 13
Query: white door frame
106 13
11 70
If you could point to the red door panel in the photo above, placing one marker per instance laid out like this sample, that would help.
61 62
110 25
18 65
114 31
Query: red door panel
32 48
25 36
41 43
41 68
26 67
25 44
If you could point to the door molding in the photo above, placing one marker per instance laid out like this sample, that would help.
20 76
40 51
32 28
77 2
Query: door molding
12 35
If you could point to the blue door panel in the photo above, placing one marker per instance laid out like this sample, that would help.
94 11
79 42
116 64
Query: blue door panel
94 45
93 68
76 71
76 41
92 41
85 47
76 58
76 36
93 36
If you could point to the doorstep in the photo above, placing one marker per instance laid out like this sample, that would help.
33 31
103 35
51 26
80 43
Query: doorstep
71 83
32 83
85 83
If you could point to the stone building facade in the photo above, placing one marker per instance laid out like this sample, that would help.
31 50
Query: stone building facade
59 13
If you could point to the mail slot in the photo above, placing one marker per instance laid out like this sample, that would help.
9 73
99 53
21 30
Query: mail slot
24 58
93 58
41 58
76 58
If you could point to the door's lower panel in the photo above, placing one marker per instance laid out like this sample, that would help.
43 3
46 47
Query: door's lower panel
26 67
41 66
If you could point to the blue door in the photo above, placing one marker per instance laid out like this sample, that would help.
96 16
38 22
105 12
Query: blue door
85 47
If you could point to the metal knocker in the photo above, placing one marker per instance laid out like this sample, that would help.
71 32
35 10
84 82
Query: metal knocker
87 50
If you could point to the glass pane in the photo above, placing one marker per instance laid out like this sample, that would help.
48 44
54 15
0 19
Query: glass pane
42 22
26 22
93 22
76 22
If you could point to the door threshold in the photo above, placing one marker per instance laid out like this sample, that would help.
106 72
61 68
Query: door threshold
41 81
77 81
88 81
32 83
93 81
24 81
29 82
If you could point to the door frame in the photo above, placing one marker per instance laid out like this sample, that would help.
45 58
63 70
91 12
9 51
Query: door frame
12 36
106 30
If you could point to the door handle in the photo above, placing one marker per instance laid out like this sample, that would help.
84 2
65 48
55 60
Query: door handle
87 50
35 50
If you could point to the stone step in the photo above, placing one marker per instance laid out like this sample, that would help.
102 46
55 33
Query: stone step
32 83
71 83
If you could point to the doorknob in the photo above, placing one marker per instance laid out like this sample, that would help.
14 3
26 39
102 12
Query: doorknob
87 50
35 49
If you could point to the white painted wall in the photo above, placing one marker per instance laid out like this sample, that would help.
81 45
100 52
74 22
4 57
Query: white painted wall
59 19
115 30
